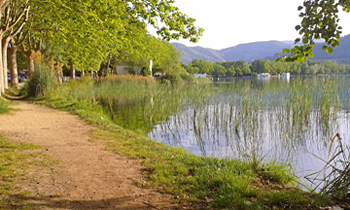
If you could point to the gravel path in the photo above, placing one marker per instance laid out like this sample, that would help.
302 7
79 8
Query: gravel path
86 176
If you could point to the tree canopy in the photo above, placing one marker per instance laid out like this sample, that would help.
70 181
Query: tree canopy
85 33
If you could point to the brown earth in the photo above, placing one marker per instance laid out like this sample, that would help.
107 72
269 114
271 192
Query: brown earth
85 175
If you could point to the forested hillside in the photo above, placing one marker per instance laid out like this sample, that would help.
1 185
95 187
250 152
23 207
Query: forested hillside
247 52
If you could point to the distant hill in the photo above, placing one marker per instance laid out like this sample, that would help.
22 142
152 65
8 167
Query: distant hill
191 53
260 50
248 52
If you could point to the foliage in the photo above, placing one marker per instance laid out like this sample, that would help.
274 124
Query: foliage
320 20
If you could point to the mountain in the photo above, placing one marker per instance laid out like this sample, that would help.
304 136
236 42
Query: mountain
248 52
253 51
191 53
263 50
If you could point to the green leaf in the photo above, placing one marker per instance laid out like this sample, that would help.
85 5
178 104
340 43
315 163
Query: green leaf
311 55
329 50
286 51
305 41
324 47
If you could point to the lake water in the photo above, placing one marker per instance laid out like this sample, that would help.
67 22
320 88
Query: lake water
288 121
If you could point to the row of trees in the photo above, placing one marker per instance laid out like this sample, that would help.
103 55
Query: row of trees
242 68
85 34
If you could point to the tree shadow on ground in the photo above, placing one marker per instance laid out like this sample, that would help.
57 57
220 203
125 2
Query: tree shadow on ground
58 202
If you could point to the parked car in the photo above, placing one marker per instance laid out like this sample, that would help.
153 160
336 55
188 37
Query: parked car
20 79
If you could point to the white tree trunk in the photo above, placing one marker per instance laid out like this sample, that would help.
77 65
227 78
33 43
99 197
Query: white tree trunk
5 42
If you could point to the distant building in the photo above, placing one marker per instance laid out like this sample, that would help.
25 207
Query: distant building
286 75
264 76
200 75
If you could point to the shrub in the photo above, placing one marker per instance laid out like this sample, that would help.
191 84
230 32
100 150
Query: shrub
42 80
254 74
145 71
172 78
187 77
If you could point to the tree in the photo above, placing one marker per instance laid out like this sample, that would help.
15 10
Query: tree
319 21
14 15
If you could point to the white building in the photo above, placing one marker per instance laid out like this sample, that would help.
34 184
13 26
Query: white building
200 75
286 75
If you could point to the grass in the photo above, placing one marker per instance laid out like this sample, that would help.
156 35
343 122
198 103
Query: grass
215 183
13 162
4 106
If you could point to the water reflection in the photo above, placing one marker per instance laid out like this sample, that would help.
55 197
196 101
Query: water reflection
290 121
275 120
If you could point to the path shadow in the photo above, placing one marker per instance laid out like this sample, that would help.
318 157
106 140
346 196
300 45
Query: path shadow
57 202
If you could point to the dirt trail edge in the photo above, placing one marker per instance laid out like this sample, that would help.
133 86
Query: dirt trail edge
86 176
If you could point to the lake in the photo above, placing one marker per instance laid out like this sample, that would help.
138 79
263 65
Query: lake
291 122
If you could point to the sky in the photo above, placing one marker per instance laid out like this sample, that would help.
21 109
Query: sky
228 23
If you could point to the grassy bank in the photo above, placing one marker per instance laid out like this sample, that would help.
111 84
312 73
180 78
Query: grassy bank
197 181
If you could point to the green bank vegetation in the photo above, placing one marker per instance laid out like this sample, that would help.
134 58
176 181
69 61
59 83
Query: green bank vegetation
242 68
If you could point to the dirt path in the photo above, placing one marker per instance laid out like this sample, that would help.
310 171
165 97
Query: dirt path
86 177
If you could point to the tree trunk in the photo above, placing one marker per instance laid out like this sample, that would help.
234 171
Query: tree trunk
101 70
83 72
2 88
30 63
72 70
92 74
108 63
12 52
5 43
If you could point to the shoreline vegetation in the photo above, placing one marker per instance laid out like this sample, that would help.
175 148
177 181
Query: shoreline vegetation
192 180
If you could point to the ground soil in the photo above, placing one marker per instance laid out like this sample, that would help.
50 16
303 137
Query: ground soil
84 175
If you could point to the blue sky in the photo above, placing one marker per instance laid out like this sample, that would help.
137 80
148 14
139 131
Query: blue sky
228 23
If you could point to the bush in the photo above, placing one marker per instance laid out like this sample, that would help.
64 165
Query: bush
145 71
187 77
172 78
41 81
